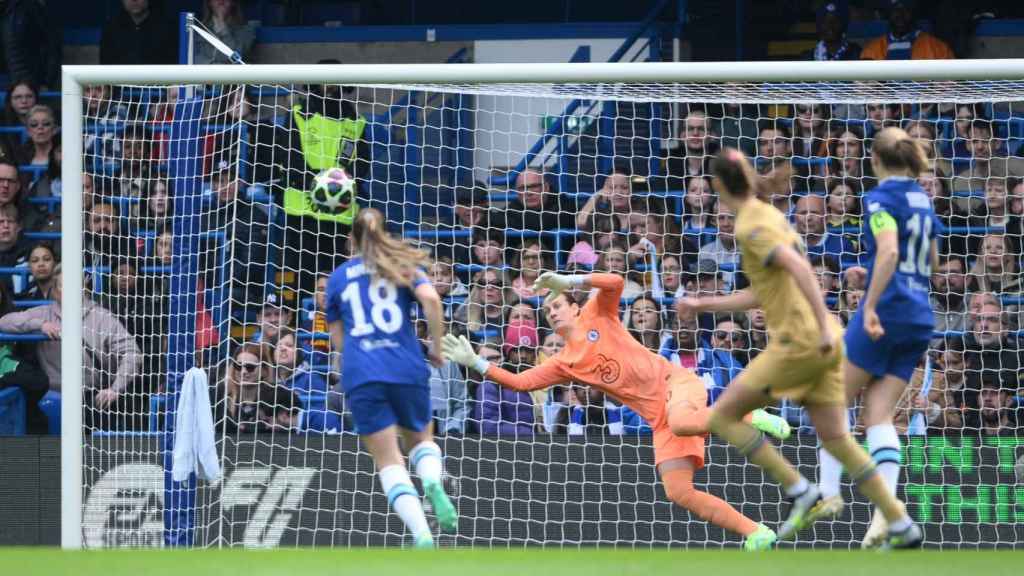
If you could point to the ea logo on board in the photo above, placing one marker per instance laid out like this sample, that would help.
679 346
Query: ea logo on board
593 335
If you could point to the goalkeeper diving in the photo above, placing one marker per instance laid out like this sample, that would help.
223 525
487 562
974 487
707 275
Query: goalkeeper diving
599 352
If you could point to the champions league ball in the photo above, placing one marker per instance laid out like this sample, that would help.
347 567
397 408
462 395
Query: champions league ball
333 190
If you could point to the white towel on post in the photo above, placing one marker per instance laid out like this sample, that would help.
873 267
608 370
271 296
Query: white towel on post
194 441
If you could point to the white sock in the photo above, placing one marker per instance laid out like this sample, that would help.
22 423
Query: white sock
884 446
900 525
829 472
403 498
797 489
426 460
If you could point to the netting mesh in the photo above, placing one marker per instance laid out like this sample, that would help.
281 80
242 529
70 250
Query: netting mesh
207 245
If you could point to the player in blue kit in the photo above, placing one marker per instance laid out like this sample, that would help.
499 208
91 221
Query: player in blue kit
384 374
890 332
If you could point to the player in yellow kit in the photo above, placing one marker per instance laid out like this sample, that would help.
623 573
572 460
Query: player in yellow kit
803 358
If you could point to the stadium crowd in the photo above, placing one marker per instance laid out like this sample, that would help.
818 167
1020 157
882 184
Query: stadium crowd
664 232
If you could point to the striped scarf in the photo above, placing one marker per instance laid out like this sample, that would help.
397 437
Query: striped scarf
900 48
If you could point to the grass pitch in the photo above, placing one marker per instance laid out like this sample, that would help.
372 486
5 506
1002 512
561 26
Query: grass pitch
530 562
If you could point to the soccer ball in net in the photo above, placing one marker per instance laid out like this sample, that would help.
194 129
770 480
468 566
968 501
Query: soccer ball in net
333 190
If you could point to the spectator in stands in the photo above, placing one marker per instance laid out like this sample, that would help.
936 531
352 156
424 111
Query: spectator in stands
757 331
879 117
488 247
645 322
323 406
471 213
42 130
699 144
949 379
986 163
15 372
809 220
851 162
112 359
141 304
225 19
597 237
447 391
924 130
42 261
247 228
272 318
994 412
613 198
998 213
156 210
844 203
14 247
949 284
988 352
716 367
773 141
32 42
136 161
723 250
44 217
314 320
536 205
811 131
248 405
103 239
531 265
448 286
502 411
672 276
730 337
489 293
849 299
22 95
163 248
832 20
102 143
699 204
905 41
140 33
960 147
995 268
521 313
826 269
615 260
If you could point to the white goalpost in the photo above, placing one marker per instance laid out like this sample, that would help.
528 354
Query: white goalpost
197 234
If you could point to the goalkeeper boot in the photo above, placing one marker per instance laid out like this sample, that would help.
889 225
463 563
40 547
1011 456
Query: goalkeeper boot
799 513
424 541
770 424
877 533
444 510
761 539
910 537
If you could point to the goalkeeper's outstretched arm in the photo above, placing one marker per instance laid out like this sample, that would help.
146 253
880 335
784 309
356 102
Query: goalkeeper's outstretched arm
460 351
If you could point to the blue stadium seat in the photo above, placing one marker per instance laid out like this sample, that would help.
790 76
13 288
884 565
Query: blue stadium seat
50 405
12 412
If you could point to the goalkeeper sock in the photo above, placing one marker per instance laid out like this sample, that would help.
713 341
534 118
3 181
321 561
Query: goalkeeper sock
679 489
863 473
884 446
426 461
403 498
830 471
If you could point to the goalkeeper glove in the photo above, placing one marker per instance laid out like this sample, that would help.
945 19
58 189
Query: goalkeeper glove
460 351
556 283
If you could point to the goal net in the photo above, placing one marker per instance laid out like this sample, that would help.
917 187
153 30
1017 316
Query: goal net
213 212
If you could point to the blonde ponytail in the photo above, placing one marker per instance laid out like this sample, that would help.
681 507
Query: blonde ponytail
383 254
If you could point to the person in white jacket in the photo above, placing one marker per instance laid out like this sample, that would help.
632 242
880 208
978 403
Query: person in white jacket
112 358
